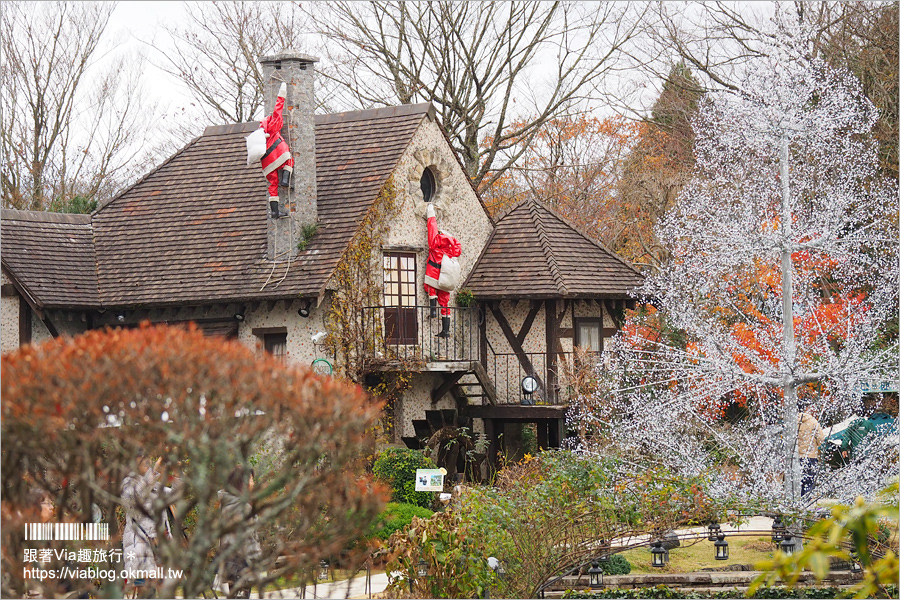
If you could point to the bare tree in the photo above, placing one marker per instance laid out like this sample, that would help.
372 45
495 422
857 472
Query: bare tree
216 54
717 39
69 125
483 64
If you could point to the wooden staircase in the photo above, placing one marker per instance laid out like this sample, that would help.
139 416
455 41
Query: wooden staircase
469 384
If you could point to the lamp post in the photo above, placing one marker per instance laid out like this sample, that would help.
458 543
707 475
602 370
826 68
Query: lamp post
323 570
657 555
721 547
529 387
713 530
778 530
422 568
595 575
787 544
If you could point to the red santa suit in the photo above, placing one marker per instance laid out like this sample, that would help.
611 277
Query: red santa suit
439 244
278 154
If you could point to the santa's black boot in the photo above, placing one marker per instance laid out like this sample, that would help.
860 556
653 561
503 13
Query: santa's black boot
277 212
445 328
432 308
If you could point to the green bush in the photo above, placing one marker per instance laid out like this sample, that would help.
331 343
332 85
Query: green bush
662 591
396 516
396 467
616 565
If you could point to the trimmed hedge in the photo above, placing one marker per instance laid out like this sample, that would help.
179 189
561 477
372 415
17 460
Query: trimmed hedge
396 516
397 468
616 565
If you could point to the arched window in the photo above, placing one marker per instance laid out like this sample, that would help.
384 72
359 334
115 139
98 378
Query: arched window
428 185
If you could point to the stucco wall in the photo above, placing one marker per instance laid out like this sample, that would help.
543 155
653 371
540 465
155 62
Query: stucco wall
459 212
300 348
416 400
9 320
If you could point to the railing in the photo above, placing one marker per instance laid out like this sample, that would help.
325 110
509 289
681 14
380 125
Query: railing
554 376
408 334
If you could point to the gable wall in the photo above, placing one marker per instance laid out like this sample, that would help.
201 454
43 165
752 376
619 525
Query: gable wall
459 212
504 367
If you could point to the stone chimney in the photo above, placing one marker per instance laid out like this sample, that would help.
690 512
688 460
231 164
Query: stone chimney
297 70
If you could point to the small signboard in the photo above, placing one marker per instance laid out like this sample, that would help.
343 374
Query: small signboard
430 480
875 386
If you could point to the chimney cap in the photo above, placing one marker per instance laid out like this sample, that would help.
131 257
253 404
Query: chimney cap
288 55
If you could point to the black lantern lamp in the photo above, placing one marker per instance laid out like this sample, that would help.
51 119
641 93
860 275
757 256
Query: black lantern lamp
422 568
323 570
787 544
778 530
855 567
657 555
595 574
721 547
529 387
713 530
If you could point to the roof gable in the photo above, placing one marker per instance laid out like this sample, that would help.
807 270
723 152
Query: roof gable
535 253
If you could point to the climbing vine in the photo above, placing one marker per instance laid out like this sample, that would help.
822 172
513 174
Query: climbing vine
354 334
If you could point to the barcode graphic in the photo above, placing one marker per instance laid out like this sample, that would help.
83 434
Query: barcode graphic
66 531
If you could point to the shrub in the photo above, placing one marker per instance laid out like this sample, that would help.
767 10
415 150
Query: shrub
397 516
78 411
617 565
396 467
662 591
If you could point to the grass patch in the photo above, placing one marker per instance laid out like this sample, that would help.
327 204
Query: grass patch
696 555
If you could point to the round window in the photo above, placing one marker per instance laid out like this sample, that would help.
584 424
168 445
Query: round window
428 185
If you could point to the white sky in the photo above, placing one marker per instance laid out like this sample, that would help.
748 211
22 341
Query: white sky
133 25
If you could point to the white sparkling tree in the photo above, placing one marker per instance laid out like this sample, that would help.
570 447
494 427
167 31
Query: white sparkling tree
782 291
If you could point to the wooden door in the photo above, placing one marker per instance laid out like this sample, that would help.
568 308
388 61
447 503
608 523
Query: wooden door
400 323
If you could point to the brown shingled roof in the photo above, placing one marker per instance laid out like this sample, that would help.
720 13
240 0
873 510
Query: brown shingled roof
535 253
51 256
194 230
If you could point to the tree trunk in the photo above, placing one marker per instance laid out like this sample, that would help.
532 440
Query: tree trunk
791 456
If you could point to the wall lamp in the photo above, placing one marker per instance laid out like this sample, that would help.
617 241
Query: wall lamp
305 305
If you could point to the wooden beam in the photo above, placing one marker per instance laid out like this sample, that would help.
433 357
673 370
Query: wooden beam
514 344
482 336
518 412
550 316
528 322
449 381
24 322
7 289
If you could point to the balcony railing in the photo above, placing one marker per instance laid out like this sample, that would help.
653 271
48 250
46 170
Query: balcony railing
408 334
558 377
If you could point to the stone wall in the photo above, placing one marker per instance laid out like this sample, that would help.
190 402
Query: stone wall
460 214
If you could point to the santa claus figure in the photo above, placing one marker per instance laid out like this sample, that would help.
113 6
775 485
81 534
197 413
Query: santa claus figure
439 245
277 163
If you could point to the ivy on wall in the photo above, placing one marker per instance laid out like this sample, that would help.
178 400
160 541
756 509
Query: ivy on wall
353 334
